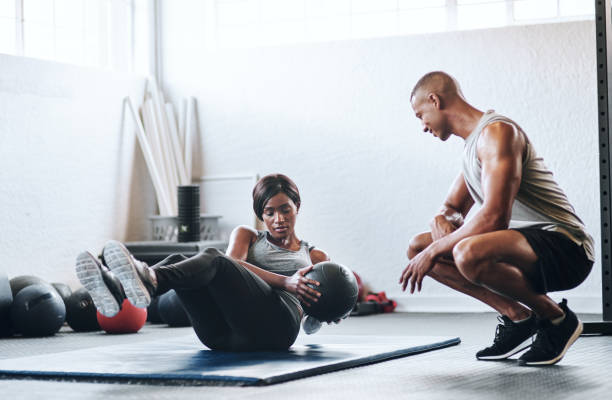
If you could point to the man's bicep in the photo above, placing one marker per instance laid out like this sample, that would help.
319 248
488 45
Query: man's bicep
501 179
458 197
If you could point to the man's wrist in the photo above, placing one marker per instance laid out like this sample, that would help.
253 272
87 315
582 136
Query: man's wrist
434 250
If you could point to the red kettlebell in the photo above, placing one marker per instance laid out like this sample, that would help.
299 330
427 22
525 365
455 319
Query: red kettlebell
128 320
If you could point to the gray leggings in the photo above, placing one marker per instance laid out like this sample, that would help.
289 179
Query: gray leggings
230 307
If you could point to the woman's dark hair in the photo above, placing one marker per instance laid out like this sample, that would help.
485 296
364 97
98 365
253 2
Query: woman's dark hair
271 185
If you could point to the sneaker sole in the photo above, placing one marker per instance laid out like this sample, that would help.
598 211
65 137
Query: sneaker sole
89 275
119 261
524 345
555 360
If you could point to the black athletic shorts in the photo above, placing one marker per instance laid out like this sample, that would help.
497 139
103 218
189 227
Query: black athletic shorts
561 265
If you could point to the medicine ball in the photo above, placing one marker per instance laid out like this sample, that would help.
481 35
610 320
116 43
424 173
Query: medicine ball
6 300
128 320
63 290
81 312
338 290
38 310
171 310
20 282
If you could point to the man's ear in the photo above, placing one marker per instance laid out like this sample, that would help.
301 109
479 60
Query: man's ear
435 100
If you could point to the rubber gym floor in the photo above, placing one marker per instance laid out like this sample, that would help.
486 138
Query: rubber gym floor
451 373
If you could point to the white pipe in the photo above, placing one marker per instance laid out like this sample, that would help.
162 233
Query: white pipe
164 134
176 147
151 133
181 123
171 181
155 144
189 139
162 201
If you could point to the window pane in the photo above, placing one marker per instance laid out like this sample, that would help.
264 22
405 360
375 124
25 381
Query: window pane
424 20
471 16
7 8
69 46
40 11
569 8
333 28
96 35
327 8
274 10
404 4
364 6
372 25
281 32
7 35
69 14
463 2
238 13
529 9
38 40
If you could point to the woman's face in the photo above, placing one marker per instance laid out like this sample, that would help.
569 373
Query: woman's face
279 215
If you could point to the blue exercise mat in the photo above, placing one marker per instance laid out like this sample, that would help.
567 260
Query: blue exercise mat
184 360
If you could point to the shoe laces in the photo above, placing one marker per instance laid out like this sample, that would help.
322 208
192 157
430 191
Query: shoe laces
502 331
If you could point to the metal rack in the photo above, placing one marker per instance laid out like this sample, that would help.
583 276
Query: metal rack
603 29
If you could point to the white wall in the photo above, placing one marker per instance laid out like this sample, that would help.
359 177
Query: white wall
336 117
66 165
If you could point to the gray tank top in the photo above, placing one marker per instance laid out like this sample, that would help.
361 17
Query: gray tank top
540 202
270 257
275 259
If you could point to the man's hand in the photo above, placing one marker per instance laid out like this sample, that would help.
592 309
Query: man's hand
440 227
416 270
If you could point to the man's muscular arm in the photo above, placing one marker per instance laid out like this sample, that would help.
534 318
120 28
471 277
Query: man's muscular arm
456 206
500 150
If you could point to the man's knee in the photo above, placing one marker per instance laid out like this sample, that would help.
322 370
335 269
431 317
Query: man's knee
418 243
469 260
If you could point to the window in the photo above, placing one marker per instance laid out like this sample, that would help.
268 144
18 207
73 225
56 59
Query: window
252 23
83 32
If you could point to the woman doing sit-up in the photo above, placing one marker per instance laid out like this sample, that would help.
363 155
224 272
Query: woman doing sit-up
248 299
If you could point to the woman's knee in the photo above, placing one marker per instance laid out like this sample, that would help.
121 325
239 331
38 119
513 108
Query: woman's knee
418 243
174 258
208 255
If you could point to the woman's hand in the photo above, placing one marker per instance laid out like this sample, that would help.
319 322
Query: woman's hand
297 284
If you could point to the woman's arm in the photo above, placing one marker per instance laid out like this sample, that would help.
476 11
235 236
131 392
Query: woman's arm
241 239
317 256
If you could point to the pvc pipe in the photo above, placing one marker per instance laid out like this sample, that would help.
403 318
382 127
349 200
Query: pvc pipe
151 133
176 147
189 139
164 135
162 200
157 129
181 123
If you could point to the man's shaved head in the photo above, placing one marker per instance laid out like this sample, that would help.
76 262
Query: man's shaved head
439 83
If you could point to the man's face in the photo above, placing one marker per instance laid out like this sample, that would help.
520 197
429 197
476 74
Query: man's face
428 111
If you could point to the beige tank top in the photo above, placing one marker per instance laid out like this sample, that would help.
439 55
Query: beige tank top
540 202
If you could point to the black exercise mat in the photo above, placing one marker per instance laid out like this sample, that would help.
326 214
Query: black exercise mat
184 360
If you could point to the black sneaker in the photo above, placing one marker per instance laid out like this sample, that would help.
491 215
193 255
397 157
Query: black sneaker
510 338
136 277
104 288
552 341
